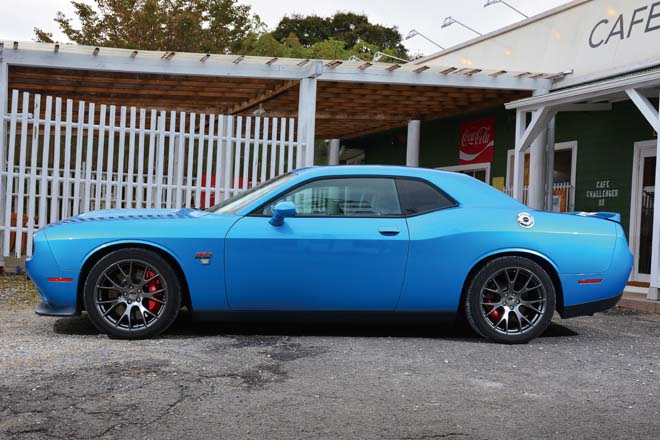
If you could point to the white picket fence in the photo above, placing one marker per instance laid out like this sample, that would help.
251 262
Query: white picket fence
59 160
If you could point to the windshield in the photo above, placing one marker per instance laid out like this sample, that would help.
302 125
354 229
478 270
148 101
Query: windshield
239 201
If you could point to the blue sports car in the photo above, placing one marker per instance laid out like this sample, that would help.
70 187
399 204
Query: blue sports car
336 242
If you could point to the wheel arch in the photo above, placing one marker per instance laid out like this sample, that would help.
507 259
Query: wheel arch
98 253
543 261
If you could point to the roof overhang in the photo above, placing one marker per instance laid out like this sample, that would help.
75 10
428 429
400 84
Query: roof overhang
354 97
610 90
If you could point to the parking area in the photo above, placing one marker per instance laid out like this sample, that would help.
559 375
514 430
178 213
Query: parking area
594 377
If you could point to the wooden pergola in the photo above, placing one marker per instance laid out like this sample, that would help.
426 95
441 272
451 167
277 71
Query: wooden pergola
340 99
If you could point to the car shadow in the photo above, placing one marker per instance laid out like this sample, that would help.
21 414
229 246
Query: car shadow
185 327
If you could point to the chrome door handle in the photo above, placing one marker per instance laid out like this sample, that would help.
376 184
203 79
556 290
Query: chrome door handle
389 231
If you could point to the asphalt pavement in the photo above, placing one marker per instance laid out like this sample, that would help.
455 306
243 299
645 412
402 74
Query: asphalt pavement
594 377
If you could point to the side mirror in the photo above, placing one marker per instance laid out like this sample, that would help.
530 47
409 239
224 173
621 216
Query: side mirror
281 211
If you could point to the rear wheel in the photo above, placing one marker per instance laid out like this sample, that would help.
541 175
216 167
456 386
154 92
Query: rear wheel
510 300
132 293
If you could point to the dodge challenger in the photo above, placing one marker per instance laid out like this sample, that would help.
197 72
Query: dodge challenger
336 242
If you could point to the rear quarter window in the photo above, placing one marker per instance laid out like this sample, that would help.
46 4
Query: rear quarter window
419 197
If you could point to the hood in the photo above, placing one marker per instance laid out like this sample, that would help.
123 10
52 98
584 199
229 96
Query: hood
134 214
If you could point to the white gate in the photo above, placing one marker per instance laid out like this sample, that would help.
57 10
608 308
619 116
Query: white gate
60 158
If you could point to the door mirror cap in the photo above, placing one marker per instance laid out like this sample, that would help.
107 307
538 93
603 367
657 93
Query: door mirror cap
281 211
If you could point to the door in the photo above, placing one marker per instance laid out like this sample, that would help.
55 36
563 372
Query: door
345 250
564 175
642 209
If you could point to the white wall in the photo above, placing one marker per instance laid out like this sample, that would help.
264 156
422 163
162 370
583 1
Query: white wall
593 38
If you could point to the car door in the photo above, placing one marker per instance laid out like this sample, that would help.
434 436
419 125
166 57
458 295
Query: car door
345 250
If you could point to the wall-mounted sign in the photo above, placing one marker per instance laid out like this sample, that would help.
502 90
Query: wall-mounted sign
603 190
477 141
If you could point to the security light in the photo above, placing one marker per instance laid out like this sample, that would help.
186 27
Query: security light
451 20
494 2
415 32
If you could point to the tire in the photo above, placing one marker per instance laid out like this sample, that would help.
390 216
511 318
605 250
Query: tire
511 300
132 293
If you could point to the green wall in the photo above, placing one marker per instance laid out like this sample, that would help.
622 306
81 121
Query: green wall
605 148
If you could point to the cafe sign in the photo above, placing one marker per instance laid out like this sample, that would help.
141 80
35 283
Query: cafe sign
603 191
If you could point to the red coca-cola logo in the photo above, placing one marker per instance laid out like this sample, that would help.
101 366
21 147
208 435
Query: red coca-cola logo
477 141
476 136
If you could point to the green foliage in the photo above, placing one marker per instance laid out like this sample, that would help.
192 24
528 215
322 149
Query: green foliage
217 26
222 26
354 30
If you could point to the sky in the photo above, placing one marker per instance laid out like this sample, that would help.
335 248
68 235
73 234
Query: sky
425 16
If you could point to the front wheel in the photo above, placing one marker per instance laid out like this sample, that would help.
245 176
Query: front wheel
510 300
132 293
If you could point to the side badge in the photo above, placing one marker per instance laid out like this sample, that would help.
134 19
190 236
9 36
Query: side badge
525 220
204 257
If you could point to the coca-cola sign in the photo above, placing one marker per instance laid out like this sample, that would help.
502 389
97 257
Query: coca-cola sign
477 141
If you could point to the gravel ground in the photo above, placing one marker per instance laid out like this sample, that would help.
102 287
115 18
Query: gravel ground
594 377
17 290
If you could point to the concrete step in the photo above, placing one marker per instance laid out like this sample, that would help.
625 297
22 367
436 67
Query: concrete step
639 302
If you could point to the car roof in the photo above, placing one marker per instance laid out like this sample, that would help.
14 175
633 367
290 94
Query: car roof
465 189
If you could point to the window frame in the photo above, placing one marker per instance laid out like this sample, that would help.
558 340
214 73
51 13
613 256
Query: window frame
255 211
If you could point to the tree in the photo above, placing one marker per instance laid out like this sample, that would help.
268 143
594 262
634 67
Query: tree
354 30
213 26
223 26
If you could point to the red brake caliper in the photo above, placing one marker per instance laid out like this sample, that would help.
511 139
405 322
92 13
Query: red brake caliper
495 316
153 286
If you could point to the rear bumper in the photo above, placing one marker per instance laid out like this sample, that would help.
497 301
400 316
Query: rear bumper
588 309
45 309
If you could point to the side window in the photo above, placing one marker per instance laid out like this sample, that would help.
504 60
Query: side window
349 197
419 197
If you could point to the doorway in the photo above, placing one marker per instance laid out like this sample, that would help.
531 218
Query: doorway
641 209
564 174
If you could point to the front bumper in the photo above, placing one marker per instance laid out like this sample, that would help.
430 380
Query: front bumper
59 298
45 309
588 309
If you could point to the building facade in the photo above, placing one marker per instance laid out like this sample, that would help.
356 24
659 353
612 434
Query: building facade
603 157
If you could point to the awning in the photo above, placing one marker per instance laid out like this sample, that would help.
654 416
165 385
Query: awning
353 98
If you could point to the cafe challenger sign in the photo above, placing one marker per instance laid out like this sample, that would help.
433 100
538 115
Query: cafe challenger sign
645 18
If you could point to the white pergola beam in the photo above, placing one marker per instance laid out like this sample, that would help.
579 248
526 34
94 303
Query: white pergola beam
519 157
307 120
550 164
433 78
412 143
105 60
333 152
114 63
4 99
587 107
537 169
645 107
539 123
654 290
578 94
